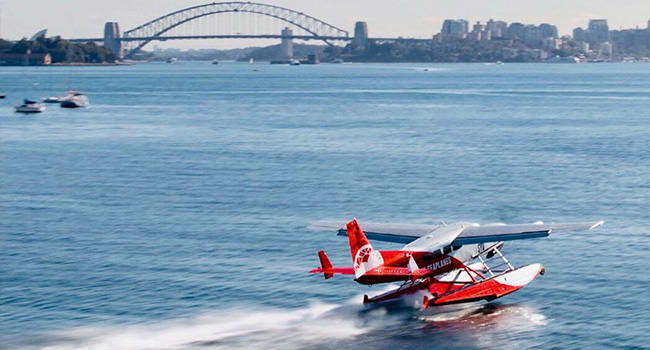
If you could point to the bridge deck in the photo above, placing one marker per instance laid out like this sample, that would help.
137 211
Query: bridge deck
243 36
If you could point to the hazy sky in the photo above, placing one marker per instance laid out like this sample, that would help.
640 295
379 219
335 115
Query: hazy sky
409 18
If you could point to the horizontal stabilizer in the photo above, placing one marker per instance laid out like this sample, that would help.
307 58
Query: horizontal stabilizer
328 270
344 270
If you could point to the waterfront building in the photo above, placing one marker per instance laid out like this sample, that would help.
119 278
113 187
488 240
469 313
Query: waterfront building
26 59
606 51
550 44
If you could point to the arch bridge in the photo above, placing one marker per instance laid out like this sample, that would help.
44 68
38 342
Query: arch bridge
248 17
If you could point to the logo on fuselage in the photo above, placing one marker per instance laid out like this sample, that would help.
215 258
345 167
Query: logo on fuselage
366 259
439 264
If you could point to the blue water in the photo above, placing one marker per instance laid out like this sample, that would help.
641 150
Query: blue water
173 213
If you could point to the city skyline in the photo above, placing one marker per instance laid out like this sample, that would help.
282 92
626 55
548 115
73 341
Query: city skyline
414 18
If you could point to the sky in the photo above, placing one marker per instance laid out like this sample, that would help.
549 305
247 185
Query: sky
385 18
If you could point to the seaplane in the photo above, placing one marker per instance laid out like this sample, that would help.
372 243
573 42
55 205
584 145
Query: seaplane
446 264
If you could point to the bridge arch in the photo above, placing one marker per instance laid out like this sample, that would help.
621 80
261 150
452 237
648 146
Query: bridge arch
154 29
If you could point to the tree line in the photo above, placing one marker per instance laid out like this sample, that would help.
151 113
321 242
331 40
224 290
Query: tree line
61 50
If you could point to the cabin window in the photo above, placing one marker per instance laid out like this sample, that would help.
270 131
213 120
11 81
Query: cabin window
447 249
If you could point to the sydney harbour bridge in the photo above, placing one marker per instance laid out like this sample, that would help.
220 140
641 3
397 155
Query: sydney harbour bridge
231 20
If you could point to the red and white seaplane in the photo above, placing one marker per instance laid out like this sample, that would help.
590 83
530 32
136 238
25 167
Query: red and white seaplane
449 264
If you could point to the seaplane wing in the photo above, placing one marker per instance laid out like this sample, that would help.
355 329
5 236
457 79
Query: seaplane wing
416 235
493 233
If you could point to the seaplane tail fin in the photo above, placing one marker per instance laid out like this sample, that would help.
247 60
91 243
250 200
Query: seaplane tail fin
325 263
364 256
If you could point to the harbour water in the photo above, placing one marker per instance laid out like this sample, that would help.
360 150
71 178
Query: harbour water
173 213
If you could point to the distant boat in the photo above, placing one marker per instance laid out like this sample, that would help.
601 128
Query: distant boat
558 59
215 62
2 97
294 62
251 60
30 106
337 61
51 99
172 60
75 99
499 62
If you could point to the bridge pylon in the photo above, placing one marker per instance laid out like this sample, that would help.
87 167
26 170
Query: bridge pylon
286 47
112 37
360 35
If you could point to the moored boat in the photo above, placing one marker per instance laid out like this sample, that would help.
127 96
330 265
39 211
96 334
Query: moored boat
51 99
30 106
74 99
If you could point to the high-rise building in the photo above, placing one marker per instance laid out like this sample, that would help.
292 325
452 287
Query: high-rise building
478 27
456 28
598 31
533 35
497 28
548 30
579 34
515 31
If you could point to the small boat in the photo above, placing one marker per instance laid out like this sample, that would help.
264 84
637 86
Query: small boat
215 62
30 106
51 99
251 60
294 62
74 99
2 97
337 61
172 60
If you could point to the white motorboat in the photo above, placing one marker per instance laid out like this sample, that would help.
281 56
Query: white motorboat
30 106
51 99
75 99
215 62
